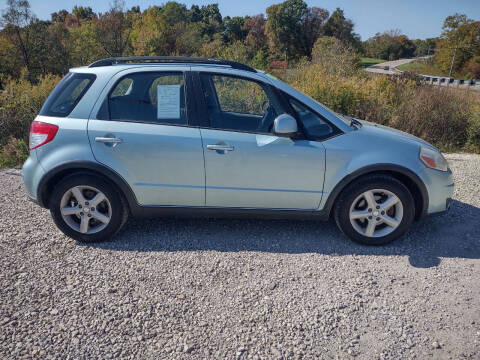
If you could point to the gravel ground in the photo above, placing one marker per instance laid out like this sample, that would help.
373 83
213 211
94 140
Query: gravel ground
258 289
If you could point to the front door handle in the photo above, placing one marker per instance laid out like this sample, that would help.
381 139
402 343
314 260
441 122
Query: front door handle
109 140
219 147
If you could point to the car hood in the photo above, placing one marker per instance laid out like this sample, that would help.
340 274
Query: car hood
388 132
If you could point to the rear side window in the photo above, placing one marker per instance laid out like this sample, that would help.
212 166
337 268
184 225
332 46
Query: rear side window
67 94
148 97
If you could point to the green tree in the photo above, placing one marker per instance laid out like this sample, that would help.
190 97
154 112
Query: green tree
313 28
424 47
234 30
211 20
15 19
284 28
390 45
188 39
194 14
83 13
10 64
149 33
254 28
174 13
59 17
458 44
83 46
47 52
111 30
261 60
341 28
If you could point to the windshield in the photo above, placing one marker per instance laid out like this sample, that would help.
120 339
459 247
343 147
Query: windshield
301 96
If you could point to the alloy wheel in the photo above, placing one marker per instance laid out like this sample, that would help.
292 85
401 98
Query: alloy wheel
85 209
376 213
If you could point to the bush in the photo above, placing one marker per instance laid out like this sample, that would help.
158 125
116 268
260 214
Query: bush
440 116
445 117
20 102
13 153
473 67
335 57
473 133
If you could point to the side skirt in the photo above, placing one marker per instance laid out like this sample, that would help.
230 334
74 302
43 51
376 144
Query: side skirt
218 212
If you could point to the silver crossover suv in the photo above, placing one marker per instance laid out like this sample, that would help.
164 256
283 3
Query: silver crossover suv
155 136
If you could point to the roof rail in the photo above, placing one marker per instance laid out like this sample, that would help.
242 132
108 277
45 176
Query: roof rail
170 59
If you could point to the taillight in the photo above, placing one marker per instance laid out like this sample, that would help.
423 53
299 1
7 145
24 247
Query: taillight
41 133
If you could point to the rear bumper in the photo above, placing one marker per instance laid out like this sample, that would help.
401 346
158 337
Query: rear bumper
32 173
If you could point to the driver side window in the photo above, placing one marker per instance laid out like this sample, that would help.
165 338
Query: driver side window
239 104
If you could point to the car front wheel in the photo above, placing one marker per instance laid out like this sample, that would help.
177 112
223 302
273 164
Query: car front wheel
87 208
375 210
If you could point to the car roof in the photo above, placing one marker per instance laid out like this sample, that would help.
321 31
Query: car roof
115 68
169 60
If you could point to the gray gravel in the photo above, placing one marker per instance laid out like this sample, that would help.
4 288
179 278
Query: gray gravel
242 289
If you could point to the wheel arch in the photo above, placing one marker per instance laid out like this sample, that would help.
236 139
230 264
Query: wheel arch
411 180
51 178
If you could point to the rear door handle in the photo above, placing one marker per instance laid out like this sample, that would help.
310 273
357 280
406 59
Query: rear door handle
218 147
108 140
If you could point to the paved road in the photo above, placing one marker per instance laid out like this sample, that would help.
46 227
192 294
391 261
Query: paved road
241 289
381 68
390 68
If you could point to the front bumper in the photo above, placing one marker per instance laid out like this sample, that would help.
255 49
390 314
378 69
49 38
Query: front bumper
449 202
440 187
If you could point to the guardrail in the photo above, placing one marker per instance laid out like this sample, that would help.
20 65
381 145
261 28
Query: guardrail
439 80
447 81
429 79
452 83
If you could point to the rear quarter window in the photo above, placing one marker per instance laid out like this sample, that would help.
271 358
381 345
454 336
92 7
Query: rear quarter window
66 95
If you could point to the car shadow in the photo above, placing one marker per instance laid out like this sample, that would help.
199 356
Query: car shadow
453 235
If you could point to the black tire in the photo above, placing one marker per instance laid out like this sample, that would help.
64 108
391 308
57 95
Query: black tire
119 211
358 187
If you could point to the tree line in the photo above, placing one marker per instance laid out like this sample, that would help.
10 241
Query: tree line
284 35
287 32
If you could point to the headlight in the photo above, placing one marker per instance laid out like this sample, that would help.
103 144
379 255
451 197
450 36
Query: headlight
433 159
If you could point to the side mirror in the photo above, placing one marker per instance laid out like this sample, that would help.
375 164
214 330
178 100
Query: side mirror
285 125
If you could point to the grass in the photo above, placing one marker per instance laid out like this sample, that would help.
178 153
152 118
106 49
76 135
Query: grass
420 67
366 61
14 153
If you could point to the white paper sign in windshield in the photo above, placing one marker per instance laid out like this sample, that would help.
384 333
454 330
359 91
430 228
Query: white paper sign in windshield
168 99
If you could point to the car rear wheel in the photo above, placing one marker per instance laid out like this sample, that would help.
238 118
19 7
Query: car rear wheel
87 208
375 210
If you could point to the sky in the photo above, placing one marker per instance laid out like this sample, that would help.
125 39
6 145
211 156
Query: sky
418 19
